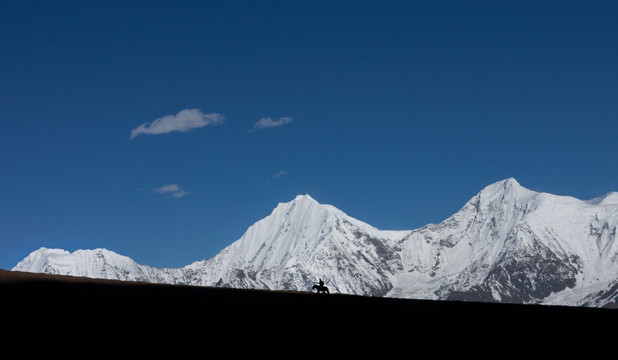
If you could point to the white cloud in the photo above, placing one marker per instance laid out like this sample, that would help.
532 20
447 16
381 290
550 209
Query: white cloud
184 121
267 122
171 190
276 176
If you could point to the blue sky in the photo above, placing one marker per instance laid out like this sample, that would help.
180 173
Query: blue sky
162 130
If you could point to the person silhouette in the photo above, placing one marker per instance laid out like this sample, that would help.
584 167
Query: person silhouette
321 288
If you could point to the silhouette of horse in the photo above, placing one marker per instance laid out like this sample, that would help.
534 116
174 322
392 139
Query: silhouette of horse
321 288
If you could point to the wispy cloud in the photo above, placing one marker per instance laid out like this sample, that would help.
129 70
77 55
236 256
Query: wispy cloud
184 121
267 122
171 190
276 176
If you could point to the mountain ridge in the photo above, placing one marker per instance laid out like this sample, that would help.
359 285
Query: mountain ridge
506 244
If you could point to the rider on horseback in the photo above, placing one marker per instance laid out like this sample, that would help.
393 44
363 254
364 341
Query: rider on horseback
321 288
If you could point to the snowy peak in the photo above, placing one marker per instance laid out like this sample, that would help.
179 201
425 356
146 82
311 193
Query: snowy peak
507 190
510 184
303 240
97 263
283 237
306 207
41 260
607 199
62 259
507 244
304 198
302 205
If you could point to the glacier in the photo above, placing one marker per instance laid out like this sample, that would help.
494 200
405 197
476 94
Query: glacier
506 244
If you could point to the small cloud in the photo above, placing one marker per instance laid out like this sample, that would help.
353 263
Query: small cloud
171 190
276 176
267 122
184 121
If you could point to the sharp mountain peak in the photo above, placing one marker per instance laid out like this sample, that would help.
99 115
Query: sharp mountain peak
507 244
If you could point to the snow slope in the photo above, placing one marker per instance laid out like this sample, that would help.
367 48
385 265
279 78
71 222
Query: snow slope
301 241
515 245
506 244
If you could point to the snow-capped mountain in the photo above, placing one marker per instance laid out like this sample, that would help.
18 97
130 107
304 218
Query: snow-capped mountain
301 241
511 244
506 244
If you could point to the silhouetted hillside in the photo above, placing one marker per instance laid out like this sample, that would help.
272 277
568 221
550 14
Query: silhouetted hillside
146 317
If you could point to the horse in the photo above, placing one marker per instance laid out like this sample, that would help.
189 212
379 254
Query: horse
321 288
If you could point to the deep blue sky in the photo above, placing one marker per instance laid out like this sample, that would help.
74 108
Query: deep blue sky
395 112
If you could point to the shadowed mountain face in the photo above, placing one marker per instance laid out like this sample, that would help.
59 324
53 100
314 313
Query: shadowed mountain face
507 244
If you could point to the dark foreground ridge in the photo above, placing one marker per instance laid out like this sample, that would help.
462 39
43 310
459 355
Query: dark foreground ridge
69 309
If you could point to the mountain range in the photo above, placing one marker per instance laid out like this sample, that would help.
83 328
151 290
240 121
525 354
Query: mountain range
507 244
